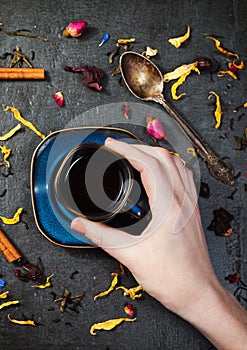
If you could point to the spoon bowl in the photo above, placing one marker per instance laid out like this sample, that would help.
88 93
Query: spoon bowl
142 76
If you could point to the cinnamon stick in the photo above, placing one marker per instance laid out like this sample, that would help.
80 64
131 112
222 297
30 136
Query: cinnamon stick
22 73
7 248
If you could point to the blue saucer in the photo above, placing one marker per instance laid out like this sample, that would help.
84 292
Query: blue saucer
53 220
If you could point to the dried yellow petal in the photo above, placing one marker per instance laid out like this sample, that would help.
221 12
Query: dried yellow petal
191 151
14 219
112 286
221 49
178 41
149 52
125 41
180 81
109 324
46 285
27 322
18 116
10 133
6 153
179 71
8 303
218 111
221 73
4 295
245 105
131 292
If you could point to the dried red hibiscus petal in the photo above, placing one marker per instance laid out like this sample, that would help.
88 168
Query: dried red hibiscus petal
221 222
232 278
91 75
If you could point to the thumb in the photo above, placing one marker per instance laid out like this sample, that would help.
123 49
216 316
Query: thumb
110 239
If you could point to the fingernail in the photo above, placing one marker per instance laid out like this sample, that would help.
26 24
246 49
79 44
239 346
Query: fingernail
77 223
109 139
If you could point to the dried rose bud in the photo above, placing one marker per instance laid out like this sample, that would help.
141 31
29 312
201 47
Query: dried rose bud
59 98
232 278
155 128
204 63
129 310
75 29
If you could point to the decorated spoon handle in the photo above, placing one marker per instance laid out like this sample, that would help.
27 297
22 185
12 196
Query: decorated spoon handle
218 167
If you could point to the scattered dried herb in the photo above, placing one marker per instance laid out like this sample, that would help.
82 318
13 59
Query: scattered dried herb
68 299
132 292
19 58
221 73
180 81
125 41
232 123
129 310
204 190
32 272
3 193
241 142
232 194
18 116
10 133
178 41
109 324
204 63
218 111
155 128
126 110
104 39
149 52
232 278
179 71
6 153
73 274
19 33
75 29
110 289
245 187
21 322
58 96
221 222
9 303
4 295
122 269
91 75
2 283
221 49
113 53
14 220
46 285
64 300
191 151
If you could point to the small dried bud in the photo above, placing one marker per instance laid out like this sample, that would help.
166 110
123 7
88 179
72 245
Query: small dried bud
204 63
75 29
155 128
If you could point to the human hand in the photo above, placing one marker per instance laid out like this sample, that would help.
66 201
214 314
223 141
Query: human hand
170 258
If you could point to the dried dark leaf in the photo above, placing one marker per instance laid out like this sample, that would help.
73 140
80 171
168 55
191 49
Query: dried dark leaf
221 222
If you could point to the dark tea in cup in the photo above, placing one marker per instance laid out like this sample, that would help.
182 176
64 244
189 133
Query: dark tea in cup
96 183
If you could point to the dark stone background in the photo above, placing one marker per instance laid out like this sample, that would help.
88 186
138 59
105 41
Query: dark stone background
151 23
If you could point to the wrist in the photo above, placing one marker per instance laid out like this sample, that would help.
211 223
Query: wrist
218 315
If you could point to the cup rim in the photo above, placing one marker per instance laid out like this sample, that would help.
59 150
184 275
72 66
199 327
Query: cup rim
63 169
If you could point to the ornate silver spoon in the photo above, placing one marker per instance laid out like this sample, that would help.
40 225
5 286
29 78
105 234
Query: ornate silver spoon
145 81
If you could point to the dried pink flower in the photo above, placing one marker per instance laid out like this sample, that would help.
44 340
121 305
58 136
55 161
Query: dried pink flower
155 128
75 29
59 98
91 75
129 310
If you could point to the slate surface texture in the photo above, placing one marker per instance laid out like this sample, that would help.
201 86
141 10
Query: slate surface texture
151 23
